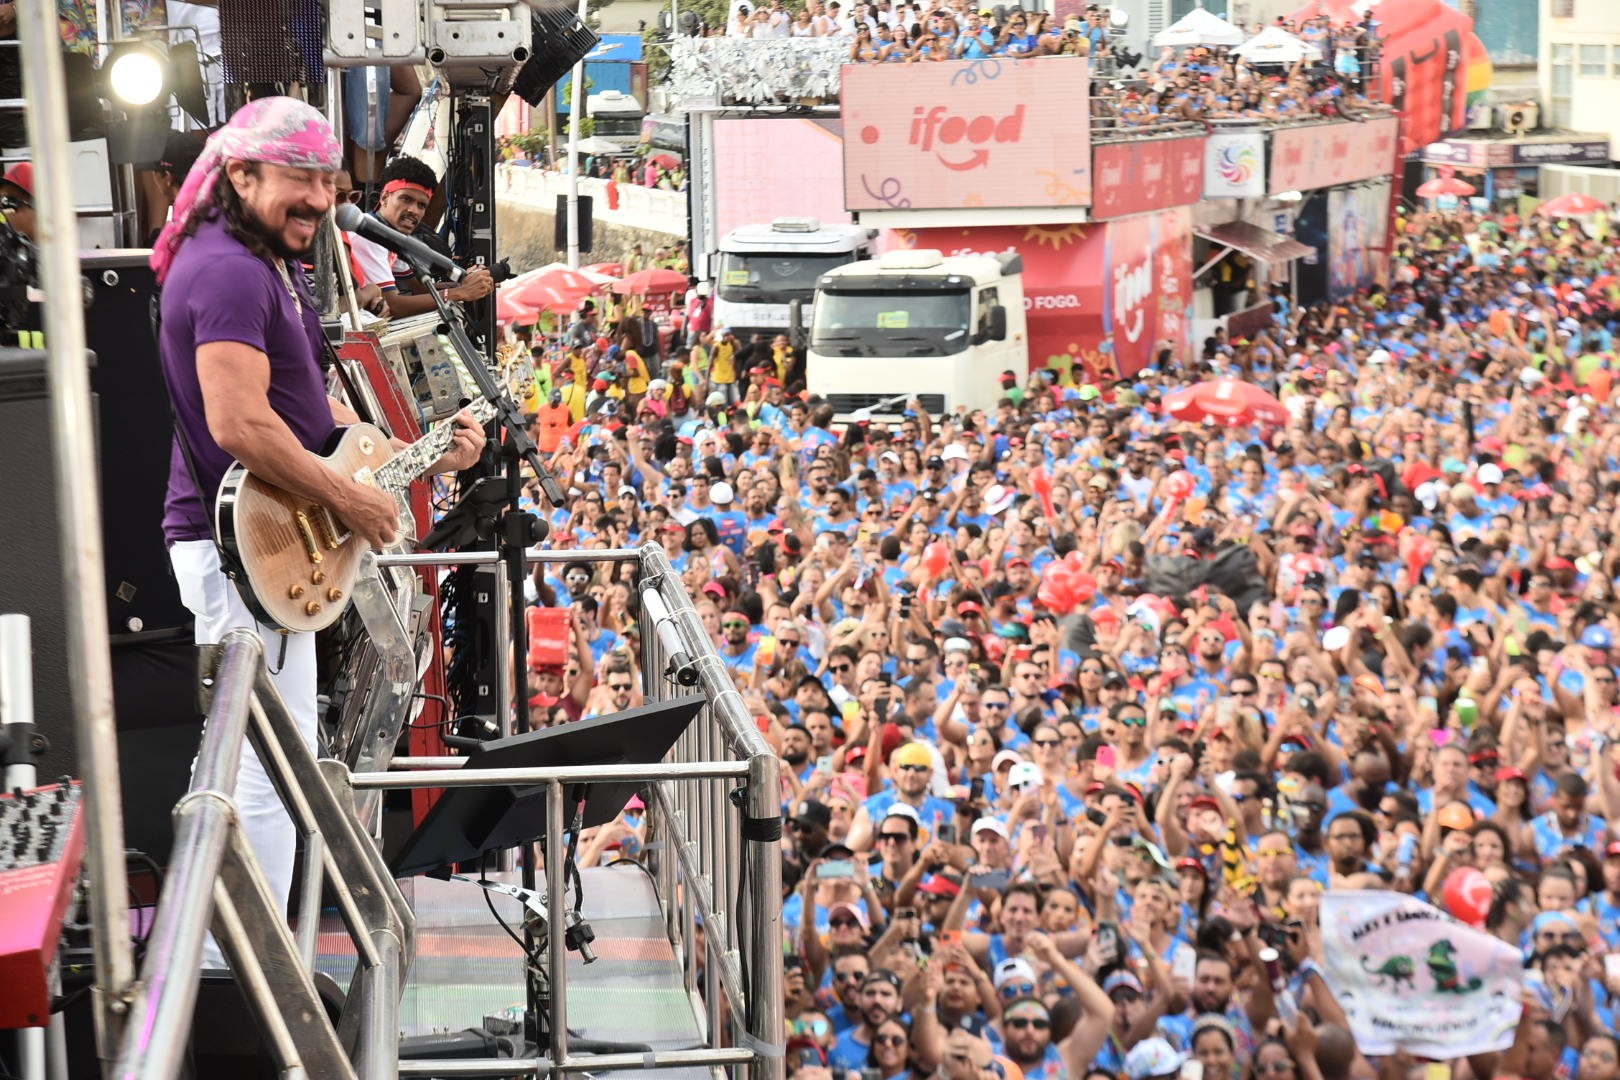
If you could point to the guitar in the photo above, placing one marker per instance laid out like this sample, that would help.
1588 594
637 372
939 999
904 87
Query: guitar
292 559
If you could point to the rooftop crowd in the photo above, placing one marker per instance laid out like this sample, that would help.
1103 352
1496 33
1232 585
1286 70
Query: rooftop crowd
1200 82
1032 839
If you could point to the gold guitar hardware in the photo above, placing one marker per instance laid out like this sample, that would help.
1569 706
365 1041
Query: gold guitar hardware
317 577
312 548
312 608
295 591
334 595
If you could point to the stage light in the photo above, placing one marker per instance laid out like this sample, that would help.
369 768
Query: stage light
136 75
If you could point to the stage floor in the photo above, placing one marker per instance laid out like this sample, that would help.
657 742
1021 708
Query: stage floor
467 968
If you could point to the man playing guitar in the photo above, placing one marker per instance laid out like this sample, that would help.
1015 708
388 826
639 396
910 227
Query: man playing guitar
240 343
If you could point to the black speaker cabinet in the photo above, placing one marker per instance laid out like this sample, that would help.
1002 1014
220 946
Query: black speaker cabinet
135 430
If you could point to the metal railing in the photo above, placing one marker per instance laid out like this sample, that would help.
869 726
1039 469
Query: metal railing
215 882
713 814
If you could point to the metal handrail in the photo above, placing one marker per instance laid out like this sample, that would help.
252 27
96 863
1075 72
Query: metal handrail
165 997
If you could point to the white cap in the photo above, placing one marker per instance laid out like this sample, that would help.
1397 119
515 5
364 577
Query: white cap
1490 473
716 399
990 824
720 493
900 809
958 644
1025 772
1378 356
997 498
1003 757
1014 969
658 384
1428 493
888 455
954 452
1531 377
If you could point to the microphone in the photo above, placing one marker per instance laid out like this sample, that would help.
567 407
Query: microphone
351 218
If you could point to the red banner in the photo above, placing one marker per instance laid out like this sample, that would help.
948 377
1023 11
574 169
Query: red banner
1149 298
1138 175
1080 280
1005 133
1323 155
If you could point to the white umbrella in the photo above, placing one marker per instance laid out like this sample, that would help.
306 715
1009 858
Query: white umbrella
1198 27
595 144
1274 45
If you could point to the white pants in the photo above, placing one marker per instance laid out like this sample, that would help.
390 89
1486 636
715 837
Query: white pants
219 609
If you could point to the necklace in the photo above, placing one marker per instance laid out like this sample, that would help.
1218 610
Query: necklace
286 279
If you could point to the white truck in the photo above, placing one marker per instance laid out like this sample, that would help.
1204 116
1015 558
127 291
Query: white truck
761 270
918 323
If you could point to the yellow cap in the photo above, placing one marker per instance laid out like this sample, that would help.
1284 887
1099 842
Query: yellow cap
913 754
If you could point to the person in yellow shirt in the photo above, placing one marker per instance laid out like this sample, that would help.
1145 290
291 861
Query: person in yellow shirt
722 376
573 394
635 371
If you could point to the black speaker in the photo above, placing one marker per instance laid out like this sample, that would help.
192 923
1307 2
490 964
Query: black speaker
560 233
135 431
32 584
559 41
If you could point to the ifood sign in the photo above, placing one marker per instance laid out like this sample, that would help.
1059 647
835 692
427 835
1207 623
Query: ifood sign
998 133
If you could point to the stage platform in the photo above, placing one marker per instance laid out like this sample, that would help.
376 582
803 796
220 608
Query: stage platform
466 967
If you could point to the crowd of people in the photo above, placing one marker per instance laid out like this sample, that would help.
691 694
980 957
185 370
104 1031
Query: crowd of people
1193 83
1037 834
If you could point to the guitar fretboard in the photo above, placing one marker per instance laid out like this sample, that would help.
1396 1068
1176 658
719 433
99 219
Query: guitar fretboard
416 458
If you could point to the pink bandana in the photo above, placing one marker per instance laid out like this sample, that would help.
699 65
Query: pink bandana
274 130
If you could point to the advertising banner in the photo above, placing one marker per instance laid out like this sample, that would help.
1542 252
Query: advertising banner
1015 133
1138 175
1357 223
1149 300
1234 165
1412 977
1322 155
756 158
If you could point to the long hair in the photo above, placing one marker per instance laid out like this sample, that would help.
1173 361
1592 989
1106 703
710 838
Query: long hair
224 202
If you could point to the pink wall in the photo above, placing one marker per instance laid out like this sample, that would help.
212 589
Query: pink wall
774 168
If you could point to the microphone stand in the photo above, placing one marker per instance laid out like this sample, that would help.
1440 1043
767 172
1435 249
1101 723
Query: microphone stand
517 529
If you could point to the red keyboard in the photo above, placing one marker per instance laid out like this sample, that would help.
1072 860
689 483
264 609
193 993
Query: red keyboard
41 847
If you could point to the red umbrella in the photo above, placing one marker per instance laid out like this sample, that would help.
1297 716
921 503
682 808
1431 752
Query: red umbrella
1574 204
652 281
555 290
1445 184
667 161
606 269
1226 401
508 310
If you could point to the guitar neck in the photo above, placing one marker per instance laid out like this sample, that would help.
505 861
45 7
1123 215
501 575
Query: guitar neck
410 463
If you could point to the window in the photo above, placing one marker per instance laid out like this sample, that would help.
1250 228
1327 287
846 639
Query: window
1563 84
1592 65
1614 66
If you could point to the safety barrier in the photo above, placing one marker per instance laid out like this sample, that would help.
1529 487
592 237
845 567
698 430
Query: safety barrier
713 819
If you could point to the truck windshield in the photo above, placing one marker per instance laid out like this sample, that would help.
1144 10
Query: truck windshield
891 323
774 278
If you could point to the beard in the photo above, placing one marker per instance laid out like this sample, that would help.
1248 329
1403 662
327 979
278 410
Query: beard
273 238
795 758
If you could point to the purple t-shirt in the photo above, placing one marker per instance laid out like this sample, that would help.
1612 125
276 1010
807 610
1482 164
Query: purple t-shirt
219 291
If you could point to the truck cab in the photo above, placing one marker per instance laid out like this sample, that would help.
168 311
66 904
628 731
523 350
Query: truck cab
617 115
763 269
917 323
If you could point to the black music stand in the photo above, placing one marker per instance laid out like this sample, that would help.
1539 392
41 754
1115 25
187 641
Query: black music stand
468 821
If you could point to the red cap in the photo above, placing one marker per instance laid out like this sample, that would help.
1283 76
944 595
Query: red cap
1480 756
1205 800
967 606
1190 863
1613 850
21 175
1558 562
1017 562
1508 772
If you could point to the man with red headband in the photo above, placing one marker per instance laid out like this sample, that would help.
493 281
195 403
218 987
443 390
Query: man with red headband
240 344
407 189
